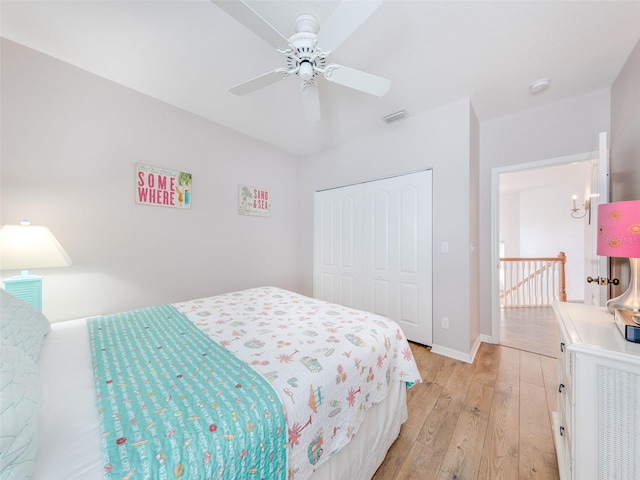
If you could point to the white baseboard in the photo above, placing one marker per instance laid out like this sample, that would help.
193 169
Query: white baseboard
475 347
451 353
488 339
463 357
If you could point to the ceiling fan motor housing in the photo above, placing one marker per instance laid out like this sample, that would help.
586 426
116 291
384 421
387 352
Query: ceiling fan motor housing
305 58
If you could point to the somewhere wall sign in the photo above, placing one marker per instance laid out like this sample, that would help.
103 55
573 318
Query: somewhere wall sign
253 201
162 187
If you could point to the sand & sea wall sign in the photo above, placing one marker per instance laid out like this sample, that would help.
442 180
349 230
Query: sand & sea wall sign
253 201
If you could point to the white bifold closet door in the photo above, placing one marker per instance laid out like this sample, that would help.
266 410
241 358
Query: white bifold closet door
373 250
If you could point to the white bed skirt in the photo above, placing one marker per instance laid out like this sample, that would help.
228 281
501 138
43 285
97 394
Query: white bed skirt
69 434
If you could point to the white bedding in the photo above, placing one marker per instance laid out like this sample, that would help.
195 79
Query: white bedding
328 363
69 434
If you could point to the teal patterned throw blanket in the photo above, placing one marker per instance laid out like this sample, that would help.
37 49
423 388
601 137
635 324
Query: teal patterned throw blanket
174 404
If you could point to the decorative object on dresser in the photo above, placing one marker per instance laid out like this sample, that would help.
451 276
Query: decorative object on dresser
597 423
629 324
619 236
28 246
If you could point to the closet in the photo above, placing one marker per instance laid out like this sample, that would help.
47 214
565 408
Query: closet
373 249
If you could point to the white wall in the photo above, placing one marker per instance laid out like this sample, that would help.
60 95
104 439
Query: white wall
70 141
625 130
474 233
440 139
510 223
556 130
625 148
547 229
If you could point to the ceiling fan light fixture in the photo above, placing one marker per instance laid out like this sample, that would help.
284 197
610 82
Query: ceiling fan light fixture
539 86
306 71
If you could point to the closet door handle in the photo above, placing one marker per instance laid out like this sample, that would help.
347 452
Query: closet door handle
560 388
562 347
562 431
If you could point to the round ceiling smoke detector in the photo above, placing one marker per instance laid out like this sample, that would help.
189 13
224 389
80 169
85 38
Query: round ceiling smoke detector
539 85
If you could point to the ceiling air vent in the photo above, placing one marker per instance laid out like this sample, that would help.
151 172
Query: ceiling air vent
395 116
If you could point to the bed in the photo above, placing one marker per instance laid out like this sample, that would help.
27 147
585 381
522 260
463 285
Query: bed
337 377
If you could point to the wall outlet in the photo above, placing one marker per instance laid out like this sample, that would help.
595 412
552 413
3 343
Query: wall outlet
445 322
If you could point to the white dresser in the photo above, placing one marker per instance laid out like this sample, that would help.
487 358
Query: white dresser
597 421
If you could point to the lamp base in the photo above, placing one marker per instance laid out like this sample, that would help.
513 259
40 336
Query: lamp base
27 288
630 299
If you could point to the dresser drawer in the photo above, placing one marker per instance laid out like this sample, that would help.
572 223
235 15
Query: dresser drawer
562 435
565 389
565 358
565 421
564 417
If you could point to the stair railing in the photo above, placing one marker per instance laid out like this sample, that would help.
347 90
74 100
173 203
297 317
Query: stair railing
532 281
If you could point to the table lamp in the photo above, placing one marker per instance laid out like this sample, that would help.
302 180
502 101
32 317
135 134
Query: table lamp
28 246
619 236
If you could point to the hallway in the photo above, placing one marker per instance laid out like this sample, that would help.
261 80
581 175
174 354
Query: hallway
532 329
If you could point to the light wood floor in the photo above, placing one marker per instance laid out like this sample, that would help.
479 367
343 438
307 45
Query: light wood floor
533 329
488 420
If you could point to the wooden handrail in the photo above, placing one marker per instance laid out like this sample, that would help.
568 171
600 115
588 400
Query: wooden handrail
533 259
560 259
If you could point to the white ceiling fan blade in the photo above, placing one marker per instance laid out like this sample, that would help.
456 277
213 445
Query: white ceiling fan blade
257 82
311 101
251 19
365 82
345 20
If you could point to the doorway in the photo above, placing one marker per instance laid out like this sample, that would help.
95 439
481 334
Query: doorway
552 203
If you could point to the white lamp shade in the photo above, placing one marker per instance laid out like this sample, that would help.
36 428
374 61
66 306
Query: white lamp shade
30 246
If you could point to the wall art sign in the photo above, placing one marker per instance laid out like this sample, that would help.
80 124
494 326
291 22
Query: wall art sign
253 201
162 187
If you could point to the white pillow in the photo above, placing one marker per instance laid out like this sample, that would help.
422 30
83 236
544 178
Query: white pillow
19 397
21 325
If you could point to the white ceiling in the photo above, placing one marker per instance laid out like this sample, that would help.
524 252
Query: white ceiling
189 52
537 178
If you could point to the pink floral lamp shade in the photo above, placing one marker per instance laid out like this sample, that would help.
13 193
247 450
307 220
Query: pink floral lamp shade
619 229
619 236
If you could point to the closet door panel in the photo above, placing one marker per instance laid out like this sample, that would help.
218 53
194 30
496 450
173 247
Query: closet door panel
381 298
409 223
337 232
381 257
409 305
398 224
378 219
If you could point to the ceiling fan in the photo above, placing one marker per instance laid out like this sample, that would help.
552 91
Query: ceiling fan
303 53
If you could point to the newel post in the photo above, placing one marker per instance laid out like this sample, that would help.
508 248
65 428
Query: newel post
563 286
